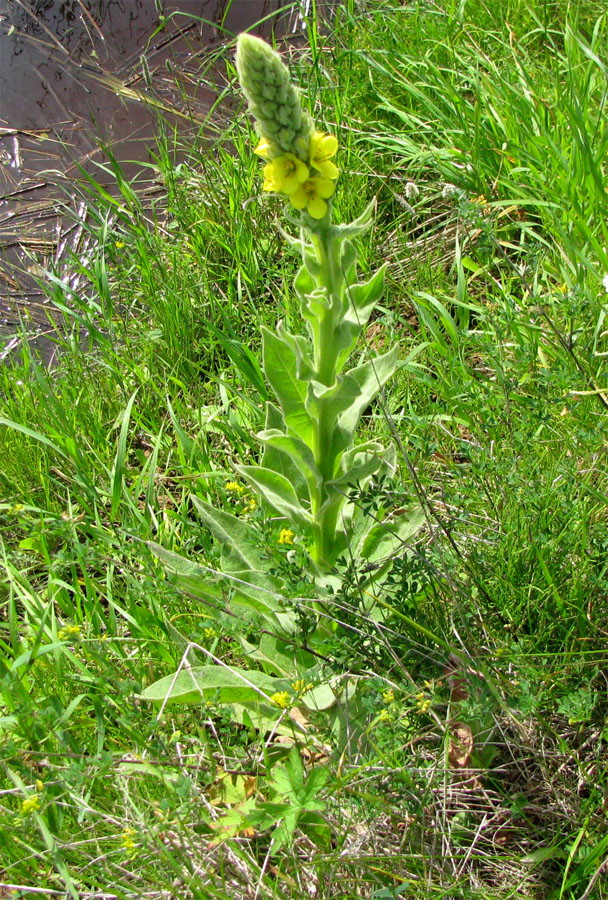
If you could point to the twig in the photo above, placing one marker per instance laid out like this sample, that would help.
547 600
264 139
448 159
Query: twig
602 869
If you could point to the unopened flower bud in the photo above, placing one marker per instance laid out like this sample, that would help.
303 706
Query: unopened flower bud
273 101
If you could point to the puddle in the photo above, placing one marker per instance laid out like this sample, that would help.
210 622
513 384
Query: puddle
74 72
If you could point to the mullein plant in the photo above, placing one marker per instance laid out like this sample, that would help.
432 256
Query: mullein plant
311 466
310 463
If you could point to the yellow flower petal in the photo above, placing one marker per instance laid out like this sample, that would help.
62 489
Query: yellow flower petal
317 208
299 199
263 148
324 187
322 148
327 169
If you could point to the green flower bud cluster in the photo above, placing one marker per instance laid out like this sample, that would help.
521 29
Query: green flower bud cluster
273 101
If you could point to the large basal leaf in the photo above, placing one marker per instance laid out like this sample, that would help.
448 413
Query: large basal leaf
283 658
278 491
320 697
239 540
249 591
220 684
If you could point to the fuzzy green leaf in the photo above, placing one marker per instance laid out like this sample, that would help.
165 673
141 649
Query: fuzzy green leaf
320 697
277 491
240 551
385 538
363 297
368 378
333 400
276 459
219 683
304 284
252 593
280 368
296 450
358 464
359 225
301 350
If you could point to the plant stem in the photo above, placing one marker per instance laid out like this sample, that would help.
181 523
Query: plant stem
330 279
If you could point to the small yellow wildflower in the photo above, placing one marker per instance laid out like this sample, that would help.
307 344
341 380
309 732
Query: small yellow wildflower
388 696
312 196
285 174
30 804
127 841
281 698
423 703
119 244
68 631
251 505
322 148
39 786
17 508
384 716
301 686
209 633
234 487
286 536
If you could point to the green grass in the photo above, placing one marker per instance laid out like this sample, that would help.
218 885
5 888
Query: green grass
498 622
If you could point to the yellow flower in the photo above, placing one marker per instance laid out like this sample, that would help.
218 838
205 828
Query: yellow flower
322 148
301 686
312 194
68 631
286 536
127 841
209 633
235 487
30 804
251 505
285 174
281 698
388 696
